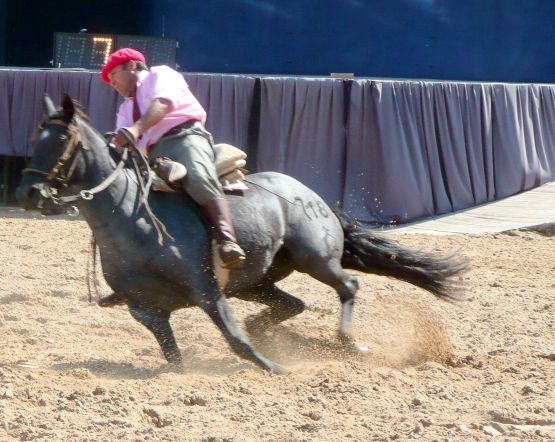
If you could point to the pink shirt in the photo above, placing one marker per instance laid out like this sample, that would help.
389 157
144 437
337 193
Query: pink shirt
161 82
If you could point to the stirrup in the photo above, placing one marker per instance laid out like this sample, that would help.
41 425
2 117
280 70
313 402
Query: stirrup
170 171
231 254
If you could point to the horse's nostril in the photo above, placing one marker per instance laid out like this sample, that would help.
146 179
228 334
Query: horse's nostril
31 191
22 194
27 196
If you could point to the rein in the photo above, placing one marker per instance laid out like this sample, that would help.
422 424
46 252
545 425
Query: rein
144 189
89 194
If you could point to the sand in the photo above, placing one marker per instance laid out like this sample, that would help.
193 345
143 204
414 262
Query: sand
72 371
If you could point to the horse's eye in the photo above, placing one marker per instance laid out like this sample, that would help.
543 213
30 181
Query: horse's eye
63 138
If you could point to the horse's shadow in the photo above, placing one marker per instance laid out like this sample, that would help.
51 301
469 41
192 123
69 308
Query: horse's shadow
281 343
109 369
102 368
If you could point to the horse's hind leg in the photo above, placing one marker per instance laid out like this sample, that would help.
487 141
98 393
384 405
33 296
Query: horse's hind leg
347 290
282 306
158 322
346 286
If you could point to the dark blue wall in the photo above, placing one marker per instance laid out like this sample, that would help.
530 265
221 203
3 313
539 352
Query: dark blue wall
31 25
2 32
490 40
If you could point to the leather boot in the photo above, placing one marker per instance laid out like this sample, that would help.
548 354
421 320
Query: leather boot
217 215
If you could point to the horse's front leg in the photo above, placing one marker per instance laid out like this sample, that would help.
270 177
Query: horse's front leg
219 311
158 322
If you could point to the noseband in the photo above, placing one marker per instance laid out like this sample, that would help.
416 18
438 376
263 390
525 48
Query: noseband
58 175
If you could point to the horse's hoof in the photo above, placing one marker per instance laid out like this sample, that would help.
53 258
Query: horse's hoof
355 349
361 350
277 369
111 300
173 367
352 347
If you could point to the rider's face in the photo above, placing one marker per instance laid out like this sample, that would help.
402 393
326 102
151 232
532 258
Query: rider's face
123 78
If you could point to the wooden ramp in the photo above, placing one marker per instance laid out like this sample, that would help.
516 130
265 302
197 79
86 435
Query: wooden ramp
531 210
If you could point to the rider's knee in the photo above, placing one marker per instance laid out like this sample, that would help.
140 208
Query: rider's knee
201 189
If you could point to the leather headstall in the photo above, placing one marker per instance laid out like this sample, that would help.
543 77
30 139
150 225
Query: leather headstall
58 173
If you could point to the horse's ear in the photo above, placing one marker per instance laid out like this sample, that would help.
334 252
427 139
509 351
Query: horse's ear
68 108
48 106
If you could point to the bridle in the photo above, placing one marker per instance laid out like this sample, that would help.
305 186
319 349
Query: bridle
59 176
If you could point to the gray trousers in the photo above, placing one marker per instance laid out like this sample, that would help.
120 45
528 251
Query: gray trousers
194 149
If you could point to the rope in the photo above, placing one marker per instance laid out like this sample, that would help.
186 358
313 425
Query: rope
93 275
293 203
144 190
88 194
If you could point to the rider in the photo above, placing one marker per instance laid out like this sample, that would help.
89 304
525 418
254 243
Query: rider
159 106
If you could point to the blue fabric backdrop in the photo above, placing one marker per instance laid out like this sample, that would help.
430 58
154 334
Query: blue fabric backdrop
387 151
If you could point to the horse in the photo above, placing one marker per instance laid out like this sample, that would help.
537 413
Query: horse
282 225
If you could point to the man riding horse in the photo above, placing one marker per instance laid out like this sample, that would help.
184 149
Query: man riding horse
283 225
160 110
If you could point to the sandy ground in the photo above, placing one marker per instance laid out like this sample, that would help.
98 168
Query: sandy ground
72 371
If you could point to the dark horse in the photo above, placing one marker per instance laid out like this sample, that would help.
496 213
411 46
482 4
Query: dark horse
281 224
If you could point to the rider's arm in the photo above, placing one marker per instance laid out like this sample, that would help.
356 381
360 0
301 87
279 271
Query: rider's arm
157 109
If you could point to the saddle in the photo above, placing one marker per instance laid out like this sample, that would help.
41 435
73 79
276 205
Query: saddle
230 162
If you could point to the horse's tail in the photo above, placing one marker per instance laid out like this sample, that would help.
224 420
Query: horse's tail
369 252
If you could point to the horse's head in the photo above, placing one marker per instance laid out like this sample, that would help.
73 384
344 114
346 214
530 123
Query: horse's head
57 162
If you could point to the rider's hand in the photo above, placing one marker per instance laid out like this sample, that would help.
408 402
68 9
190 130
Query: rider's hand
126 136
